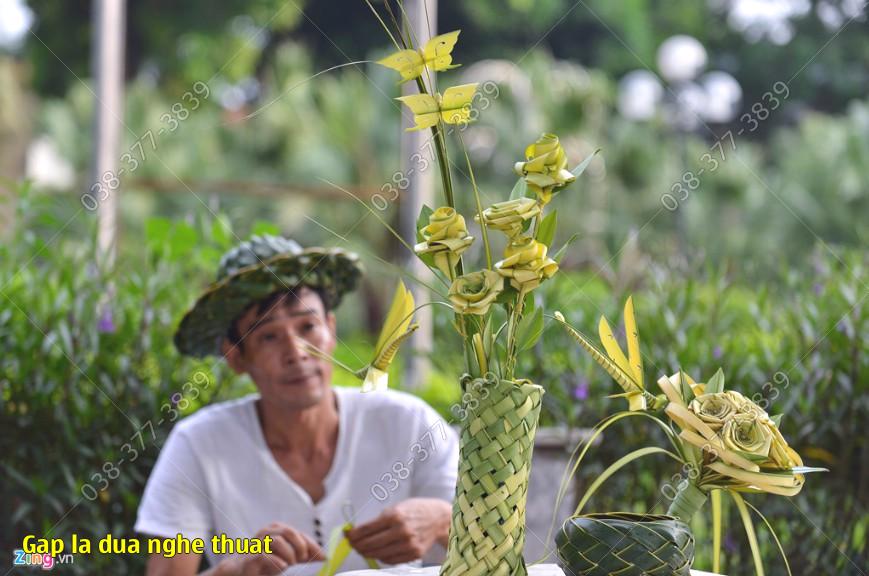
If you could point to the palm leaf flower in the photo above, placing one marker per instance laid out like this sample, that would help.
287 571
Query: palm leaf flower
732 443
445 238
474 293
510 216
526 264
740 445
545 167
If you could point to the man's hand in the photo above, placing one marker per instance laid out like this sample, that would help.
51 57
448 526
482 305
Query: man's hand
288 546
403 532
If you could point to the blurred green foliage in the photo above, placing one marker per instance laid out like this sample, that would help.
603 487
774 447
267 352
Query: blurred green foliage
809 184
237 39
88 363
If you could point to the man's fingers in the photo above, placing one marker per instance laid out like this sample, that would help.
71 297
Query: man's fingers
315 553
282 548
382 522
375 544
305 547
396 552
267 564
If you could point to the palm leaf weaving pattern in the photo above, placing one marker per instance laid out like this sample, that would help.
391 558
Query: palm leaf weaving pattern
625 544
488 523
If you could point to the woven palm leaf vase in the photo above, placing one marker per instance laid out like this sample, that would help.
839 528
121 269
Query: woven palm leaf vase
625 544
487 532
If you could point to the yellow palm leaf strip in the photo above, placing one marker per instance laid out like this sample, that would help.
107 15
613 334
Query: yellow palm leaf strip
716 447
670 390
481 353
386 356
398 318
633 337
611 345
623 378
760 479
691 419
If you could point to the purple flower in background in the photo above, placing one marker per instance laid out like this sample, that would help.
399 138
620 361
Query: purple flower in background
819 289
106 323
717 352
580 391
729 543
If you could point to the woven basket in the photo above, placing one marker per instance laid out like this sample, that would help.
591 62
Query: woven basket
487 532
625 544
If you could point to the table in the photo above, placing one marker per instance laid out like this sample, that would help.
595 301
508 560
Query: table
536 570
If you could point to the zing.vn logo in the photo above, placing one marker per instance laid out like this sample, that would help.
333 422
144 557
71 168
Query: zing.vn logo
47 561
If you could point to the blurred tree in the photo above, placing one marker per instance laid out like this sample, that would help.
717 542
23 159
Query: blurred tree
237 39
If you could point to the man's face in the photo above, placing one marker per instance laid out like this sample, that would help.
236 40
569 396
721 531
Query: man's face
274 350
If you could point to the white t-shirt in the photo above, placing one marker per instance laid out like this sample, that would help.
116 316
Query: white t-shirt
216 475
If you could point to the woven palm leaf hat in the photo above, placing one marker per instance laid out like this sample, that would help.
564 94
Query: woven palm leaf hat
253 270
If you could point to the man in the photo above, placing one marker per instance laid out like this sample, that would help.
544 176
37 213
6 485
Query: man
301 458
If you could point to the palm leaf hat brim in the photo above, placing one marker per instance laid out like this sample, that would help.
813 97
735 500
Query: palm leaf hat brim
255 269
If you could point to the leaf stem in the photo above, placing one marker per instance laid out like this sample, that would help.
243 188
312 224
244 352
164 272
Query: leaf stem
513 324
479 205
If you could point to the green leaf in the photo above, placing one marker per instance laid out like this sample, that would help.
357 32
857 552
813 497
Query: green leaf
580 168
508 295
687 392
774 537
428 260
530 330
563 250
546 232
262 227
519 189
422 221
182 240
716 383
749 532
210 256
777 420
157 230
221 232
716 530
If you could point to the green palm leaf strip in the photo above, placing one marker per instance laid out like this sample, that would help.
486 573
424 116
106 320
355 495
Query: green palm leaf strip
479 205
774 536
716 530
749 532
623 379
618 465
